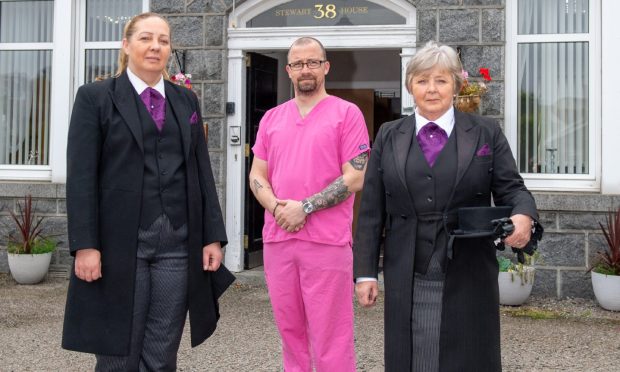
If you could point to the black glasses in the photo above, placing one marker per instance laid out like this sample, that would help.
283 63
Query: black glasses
312 64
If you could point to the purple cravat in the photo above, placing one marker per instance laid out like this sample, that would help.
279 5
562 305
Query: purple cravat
431 139
156 105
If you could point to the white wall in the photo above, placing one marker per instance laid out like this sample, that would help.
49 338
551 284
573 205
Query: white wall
610 42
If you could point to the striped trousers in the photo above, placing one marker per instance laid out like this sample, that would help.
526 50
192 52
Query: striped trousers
160 301
426 318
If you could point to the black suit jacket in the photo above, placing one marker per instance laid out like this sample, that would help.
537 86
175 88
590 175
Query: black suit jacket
470 319
105 166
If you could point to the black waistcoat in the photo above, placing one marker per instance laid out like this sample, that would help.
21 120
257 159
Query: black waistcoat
430 189
164 190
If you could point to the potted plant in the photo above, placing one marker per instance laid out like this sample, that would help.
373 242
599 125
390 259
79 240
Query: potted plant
606 269
29 252
468 98
515 280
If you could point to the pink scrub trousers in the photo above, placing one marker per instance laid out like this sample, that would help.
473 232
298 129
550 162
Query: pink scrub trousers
311 290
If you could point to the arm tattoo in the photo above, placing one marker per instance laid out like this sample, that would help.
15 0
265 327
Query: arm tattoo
359 161
257 186
335 193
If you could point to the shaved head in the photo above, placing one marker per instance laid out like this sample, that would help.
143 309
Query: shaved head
303 41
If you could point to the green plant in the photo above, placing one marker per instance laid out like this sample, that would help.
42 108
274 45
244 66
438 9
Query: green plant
534 313
523 270
608 262
29 238
504 264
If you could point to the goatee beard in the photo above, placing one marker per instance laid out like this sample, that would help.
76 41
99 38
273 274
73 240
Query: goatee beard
307 87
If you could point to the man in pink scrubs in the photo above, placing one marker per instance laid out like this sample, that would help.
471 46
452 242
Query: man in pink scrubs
309 160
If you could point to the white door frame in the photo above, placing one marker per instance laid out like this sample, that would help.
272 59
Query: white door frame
241 39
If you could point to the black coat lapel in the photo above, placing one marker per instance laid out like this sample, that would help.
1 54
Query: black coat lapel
466 139
182 112
123 98
402 141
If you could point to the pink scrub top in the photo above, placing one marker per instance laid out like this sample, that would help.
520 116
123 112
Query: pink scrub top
305 155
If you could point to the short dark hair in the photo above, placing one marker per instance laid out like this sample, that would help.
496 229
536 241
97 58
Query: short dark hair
304 41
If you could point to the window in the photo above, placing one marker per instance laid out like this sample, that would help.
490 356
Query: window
48 49
25 80
551 93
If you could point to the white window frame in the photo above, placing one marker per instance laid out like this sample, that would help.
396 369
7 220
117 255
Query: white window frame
610 91
59 101
545 181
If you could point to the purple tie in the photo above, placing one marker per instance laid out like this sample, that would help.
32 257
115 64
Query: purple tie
156 105
431 139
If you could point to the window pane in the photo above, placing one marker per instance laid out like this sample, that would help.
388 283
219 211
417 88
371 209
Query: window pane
553 16
26 21
100 64
553 108
105 19
24 106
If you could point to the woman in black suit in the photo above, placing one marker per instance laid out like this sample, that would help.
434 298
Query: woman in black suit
441 307
145 225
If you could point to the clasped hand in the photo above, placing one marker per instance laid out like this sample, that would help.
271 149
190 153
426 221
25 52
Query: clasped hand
522 233
290 215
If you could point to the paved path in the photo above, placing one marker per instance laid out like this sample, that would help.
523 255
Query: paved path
585 339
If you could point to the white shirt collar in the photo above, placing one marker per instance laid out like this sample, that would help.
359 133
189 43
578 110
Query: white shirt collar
139 85
445 122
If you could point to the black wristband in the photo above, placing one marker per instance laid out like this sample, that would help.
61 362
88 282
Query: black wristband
274 209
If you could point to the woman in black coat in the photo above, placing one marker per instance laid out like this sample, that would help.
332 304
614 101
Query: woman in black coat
441 304
145 225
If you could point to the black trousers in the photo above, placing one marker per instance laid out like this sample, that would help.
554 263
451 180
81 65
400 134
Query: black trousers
160 301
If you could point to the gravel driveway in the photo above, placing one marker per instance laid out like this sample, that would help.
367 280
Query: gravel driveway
573 335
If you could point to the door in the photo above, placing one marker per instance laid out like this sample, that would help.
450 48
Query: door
262 79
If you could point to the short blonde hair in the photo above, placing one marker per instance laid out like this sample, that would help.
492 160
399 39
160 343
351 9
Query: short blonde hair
436 55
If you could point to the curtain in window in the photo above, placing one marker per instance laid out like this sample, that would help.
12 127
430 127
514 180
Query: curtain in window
26 21
553 17
100 63
105 20
553 87
25 82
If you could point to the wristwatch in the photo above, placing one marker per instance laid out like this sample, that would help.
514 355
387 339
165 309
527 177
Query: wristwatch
307 206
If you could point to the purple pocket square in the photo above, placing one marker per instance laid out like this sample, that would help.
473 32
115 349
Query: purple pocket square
193 119
484 150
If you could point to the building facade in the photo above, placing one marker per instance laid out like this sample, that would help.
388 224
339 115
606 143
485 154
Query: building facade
553 90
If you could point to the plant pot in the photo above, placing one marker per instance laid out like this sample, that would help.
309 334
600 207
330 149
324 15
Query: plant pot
607 290
468 103
515 287
29 268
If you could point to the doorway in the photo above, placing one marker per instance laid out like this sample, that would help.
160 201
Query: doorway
243 38
262 79
369 78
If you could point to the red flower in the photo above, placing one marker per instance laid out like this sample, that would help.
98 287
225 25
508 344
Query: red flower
485 73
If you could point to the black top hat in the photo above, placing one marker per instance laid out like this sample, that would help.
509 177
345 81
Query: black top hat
477 222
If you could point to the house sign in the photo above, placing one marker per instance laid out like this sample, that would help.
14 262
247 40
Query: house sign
305 13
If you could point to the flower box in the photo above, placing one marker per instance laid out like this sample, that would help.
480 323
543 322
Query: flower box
468 103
